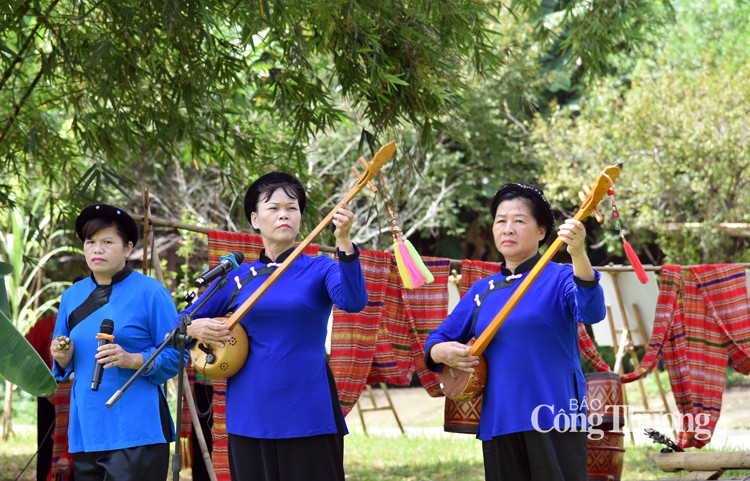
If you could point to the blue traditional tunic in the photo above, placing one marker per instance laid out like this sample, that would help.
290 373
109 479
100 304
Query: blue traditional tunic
283 389
143 312
533 360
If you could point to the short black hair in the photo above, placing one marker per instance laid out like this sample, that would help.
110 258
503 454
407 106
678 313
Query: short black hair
265 185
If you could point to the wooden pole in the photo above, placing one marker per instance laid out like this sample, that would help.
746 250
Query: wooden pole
197 427
692 461
146 228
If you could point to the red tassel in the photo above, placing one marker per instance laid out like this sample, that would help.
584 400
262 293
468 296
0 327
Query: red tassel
640 272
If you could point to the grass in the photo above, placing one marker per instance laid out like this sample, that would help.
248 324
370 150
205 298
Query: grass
376 458
383 458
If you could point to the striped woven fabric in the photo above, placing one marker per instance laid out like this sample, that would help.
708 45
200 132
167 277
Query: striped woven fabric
589 350
716 308
62 461
667 309
221 243
702 319
409 316
186 423
426 307
220 452
724 290
392 362
472 271
354 335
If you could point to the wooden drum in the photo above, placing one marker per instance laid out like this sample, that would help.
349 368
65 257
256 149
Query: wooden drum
604 397
606 457
462 416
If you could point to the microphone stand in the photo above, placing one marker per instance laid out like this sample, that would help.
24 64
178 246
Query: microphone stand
178 338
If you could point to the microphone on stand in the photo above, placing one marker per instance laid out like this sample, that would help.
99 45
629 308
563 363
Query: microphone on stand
105 337
228 263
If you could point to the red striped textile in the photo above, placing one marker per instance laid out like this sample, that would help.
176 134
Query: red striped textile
724 291
221 243
409 316
62 461
392 361
702 319
220 452
472 271
186 423
426 307
668 308
589 350
354 335
716 305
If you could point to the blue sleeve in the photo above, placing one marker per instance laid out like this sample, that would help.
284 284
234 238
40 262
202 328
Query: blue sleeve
160 314
585 299
455 327
345 284
61 327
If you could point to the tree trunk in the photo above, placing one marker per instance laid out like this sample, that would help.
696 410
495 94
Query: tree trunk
8 411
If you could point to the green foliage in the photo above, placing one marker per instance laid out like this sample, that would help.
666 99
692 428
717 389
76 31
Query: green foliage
679 132
102 96
26 243
32 375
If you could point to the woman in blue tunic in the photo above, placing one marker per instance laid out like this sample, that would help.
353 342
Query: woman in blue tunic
283 417
532 423
129 441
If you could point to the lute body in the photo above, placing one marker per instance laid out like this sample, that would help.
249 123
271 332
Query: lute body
223 362
461 385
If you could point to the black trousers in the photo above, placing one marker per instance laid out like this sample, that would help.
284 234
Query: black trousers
45 426
315 458
140 463
536 456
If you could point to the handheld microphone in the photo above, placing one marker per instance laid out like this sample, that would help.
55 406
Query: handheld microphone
105 337
228 262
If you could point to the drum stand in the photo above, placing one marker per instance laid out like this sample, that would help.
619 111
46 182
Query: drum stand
375 407
626 346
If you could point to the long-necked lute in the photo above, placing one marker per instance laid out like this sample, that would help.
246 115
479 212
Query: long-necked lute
463 386
227 361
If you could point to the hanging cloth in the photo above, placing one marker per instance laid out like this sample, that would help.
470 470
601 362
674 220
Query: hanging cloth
354 334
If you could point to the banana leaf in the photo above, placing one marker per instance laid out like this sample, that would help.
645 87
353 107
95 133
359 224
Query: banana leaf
19 361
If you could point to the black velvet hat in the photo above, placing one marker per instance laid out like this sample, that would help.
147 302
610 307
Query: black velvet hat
273 180
108 212
531 192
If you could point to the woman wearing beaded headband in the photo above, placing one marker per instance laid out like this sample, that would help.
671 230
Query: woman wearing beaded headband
130 440
532 424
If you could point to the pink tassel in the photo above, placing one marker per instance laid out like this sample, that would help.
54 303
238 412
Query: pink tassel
640 272
415 276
